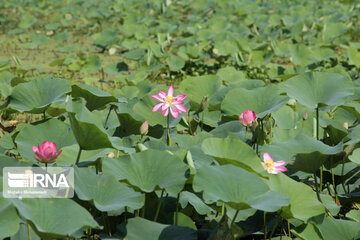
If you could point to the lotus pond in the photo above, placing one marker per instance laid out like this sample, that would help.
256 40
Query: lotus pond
206 119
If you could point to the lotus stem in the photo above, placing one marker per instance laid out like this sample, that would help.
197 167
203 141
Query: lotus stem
223 209
333 182
125 214
318 138
234 218
107 117
177 209
202 121
317 188
245 133
317 123
321 178
78 156
289 228
29 232
265 227
44 116
168 131
271 125
275 225
158 206
143 208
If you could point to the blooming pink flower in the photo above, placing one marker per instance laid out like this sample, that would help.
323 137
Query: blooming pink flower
271 166
169 102
144 128
46 153
247 118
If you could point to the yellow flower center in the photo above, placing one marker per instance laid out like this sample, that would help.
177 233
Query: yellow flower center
269 165
168 99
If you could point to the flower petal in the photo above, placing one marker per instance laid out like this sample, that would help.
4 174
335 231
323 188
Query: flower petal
280 169
162 94
174 112
181 108
157 107
279 163
35 149
157 97
171 91
180 97
267 157
165 112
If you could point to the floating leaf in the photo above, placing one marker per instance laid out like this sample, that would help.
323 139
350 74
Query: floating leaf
41 211
149 169
261 100
37 95
106 193
314 88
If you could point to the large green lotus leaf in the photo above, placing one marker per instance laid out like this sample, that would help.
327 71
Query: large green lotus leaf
307 232
303 201
314 88
106 37
198 87
192 199
355 156
285 117
303 152
52 130
149 169
230 74
186 141
78 106
95 98
55 218
88 135
106 193
230 184
92 65
69 154
334 30
9 220
261 100
354 56
156 231
23 232
6 161
354 136
37 95
247 84
27 21
232 129
270 201
233 151
334 229
175 63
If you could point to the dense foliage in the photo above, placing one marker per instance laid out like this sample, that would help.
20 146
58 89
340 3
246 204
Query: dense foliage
83 74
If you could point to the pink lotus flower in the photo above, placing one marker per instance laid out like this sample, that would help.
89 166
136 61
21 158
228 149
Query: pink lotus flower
247 118
271 166
169 102
46 153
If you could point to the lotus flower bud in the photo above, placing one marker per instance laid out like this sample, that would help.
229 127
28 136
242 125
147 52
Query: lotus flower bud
346 125
247 118
306 115
46 152
144 128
